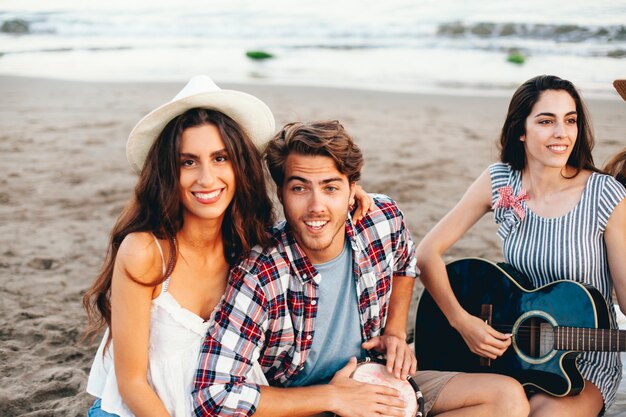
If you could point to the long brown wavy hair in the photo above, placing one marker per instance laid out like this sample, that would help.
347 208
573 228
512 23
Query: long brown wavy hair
156 205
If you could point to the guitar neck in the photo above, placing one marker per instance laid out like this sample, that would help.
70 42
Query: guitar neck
585 339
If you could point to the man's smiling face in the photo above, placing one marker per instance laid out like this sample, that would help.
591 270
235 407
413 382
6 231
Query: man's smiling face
316 198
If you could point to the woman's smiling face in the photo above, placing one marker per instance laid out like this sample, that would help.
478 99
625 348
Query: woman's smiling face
207 177
551 129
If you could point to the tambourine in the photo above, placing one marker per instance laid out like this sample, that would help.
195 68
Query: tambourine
374 371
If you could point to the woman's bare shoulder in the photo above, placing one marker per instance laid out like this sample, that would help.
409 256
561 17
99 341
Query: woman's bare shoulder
139 257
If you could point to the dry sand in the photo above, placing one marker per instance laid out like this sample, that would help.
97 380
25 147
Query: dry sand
64 179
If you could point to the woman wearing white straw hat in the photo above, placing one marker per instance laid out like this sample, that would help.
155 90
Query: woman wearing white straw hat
559 217
200 203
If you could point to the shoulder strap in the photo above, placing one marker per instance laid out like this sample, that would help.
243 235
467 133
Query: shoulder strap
163 266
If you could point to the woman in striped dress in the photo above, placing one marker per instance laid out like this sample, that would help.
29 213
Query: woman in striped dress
559 217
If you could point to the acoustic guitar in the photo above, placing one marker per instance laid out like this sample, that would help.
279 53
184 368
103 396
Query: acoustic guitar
551 326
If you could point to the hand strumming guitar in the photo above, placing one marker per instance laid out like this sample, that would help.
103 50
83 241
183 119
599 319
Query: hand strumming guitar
481 338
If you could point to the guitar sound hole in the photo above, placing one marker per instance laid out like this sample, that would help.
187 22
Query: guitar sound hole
535 337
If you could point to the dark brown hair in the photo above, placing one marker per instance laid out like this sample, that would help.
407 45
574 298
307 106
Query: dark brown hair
512 149
617 167
156 205
326 138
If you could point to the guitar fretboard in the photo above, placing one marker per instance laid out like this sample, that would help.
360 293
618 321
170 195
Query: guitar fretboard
584 339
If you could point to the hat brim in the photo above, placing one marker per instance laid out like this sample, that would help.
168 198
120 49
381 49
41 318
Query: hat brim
620 86
250 113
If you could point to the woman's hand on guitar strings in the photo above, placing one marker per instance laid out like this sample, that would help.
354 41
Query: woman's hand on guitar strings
401 360
481 338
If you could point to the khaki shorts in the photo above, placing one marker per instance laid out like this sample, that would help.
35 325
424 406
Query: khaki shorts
431 384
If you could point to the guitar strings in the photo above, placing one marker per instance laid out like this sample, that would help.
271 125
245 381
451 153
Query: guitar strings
526 332
505 326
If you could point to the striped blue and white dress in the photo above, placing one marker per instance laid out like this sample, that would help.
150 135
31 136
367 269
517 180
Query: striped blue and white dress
568 247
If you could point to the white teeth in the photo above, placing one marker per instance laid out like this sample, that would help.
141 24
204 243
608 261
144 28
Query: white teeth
317 223
207 196
558 147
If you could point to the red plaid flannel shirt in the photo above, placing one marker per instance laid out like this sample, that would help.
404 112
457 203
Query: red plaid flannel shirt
269 309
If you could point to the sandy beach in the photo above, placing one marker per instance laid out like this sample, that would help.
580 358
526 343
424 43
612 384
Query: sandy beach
64 179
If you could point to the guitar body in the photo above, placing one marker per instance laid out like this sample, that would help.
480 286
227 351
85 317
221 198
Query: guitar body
528 314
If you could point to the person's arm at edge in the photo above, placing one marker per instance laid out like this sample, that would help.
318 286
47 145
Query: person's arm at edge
399 303
475 203
296 402
136 272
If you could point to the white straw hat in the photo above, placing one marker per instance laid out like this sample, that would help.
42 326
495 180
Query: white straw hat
249 112
620 86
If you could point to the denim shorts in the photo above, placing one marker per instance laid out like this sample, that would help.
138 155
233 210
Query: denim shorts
96 411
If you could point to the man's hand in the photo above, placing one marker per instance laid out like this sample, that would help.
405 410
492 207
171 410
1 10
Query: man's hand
400 357
357 399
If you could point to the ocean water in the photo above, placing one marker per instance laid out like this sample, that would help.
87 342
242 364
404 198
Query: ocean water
447 46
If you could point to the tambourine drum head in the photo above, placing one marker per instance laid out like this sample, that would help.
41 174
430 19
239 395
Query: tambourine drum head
376 373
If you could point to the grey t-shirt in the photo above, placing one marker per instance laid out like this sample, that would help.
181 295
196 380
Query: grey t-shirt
337 334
